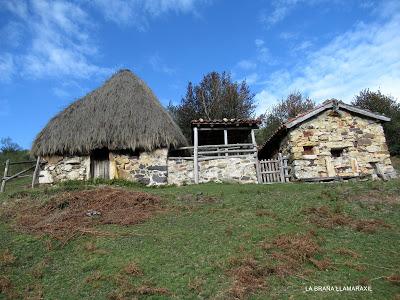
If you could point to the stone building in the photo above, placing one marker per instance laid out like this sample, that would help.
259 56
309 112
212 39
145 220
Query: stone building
119 130
334 140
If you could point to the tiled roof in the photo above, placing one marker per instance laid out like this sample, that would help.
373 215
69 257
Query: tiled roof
226 121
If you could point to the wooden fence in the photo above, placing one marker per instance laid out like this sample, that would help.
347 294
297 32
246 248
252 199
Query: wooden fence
33 165
274 170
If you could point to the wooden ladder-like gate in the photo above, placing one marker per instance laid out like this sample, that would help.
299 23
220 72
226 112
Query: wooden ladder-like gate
33 165
274 170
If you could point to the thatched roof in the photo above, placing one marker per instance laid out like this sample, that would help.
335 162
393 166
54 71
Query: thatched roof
121 114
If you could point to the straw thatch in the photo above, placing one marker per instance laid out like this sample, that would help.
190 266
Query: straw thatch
122 114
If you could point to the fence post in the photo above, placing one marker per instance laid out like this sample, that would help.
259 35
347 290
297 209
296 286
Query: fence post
196 155
3 181
35 173
286 168
281 167
257 162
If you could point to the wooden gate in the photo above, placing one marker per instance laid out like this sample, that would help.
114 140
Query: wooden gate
274 170
25 172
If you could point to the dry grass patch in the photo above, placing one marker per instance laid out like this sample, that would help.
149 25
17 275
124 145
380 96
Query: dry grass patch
5 284
196 284
133 269
323 264
370 225
7 258
248 277
373 197
394 278
72 213
150 290
347 252
325 217
291 252
6 288
265 213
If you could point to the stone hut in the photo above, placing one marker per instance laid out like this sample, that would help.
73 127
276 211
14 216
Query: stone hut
334 140
119 130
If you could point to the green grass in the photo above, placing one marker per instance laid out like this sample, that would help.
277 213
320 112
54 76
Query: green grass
187 249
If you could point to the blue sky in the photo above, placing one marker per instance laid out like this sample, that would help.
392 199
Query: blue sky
53 52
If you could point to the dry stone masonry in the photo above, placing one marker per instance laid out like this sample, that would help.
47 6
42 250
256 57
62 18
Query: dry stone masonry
232 169
338 144
149 168
60 168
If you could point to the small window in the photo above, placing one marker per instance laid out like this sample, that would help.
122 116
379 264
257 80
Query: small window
337 152
307 150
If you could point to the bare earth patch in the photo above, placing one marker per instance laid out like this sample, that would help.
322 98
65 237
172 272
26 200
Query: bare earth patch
70 213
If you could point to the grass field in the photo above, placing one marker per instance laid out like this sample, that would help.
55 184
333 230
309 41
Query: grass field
247 241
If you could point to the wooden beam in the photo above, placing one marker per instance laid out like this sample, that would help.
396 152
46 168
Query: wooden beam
3 181
36 172
19 173
226 139
216 146
195 154
22 162
254 142
224 128
282 171
203 158
226 151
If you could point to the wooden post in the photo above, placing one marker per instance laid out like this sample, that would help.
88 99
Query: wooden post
253 140
195 154
36 172
3 182
226 140
285 166
281 168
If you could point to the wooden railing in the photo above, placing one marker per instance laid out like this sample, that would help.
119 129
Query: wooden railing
208 152
34 165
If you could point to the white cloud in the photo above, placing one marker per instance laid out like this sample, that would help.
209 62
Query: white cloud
59 43
246 64
159 66
367 56
281 8
259 42
138 13
288 35
19 8
12 34
7 68
303 46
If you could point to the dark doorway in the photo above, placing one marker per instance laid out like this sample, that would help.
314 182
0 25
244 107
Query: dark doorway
100 164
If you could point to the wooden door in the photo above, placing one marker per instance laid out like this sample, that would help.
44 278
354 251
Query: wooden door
100 164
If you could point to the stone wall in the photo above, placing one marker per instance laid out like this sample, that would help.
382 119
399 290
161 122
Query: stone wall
152 168
149 168
235 169
60 168
361 140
